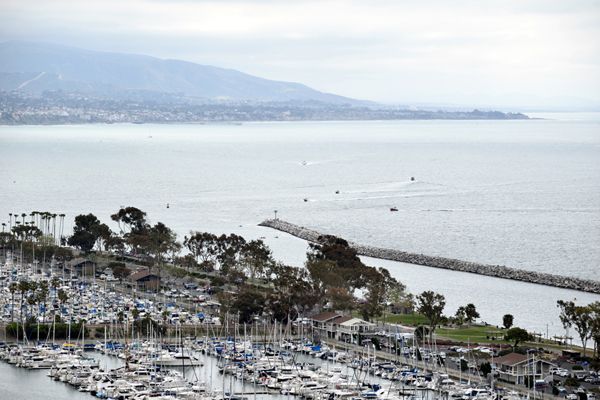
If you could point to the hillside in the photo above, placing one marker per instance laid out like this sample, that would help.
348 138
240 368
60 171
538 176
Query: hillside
37 67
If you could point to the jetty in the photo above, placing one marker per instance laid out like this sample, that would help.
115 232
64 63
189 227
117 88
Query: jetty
496 271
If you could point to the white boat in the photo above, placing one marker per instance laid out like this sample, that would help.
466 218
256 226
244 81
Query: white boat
167 359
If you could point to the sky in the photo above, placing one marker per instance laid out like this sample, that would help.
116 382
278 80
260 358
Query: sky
510 53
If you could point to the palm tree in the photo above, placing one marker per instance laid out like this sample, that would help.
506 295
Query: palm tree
13 287
23 287
55 282
120 319
32 288
54 227
43 222
61 227
42 296
62 299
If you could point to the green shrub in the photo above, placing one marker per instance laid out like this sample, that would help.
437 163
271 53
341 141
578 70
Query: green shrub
570 381
376 343
485 368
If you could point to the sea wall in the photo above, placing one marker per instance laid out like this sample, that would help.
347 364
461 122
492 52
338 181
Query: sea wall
497 271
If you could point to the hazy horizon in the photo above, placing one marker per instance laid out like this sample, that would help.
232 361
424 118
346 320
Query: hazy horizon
511 54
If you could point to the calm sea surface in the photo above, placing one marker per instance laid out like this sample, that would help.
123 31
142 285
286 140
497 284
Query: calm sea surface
521 193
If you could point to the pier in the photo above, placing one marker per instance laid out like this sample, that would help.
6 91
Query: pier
496 271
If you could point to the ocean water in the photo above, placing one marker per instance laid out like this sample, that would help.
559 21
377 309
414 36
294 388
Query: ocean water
520 193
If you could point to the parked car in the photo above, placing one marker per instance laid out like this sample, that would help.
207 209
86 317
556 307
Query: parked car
540 384
581 375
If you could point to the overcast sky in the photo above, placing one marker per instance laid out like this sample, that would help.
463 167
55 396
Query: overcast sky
481 53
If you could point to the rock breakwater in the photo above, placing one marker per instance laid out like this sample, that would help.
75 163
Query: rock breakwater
497 271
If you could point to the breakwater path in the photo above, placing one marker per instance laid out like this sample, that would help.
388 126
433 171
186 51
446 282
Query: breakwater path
497 271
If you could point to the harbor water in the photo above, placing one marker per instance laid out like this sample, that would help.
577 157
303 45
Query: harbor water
525 194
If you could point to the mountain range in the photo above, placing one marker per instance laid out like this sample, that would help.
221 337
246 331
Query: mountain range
43 83
34 68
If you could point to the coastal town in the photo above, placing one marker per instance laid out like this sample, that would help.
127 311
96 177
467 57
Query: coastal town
168 312
81 108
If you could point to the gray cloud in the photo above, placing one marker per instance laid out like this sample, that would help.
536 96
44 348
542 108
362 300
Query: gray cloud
466 52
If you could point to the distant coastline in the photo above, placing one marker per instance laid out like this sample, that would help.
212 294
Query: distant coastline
496 271
67 109
51 84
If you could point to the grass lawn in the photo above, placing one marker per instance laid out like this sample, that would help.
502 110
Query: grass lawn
473 334
403 319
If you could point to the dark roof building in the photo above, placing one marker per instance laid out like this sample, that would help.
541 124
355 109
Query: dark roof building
81 266
144 279
515 367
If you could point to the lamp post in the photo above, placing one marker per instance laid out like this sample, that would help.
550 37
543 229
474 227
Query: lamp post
275 211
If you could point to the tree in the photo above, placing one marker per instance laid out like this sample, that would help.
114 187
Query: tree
595 322
507 321
340 299
376 294
256 257
324 274
203 246
460 315
130 219
13 288
229 251
400 300
23 287
161 240
464 365
579 317
102 234
485 368
62 298
42 296
345 261
188 262
119 270
294 292
133 226
26 232
86 232
114 243
567 313
517 335
583 324
431 305
421 332
249 302
471 313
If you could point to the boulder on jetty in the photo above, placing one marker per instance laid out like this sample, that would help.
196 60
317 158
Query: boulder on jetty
497 271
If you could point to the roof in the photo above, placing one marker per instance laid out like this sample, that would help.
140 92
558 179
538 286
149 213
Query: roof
136 276
77 261
511 359
341 320
325 316
355 321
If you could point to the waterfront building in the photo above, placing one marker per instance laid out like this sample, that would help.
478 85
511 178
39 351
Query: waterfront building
514 368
